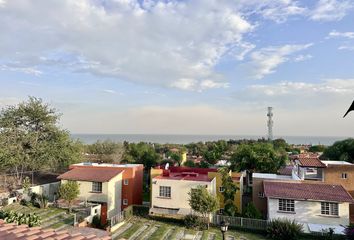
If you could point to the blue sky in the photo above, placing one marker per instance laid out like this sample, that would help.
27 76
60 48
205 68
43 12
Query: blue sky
188 67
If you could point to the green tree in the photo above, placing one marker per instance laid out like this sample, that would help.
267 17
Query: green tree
30 139
340 150
189 163
202 202
69 191
229 192
260 157
142 153
317 148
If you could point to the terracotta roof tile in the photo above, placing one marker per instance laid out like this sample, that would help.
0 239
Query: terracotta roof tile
306 191
10 232
311 162
98 174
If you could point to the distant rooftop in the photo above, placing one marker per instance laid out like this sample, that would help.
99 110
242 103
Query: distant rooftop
311 162
271 176
107 165
187 174
336 163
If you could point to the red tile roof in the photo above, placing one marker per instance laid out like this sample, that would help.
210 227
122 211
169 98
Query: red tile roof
91 174
306 191
11 231
311 162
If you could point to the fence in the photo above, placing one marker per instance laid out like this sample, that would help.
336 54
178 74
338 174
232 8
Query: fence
249 223
117 218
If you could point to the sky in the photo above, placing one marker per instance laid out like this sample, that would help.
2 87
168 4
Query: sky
183 66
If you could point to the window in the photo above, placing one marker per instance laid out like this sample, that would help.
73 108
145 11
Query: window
344 175
221 211
221 189
286 205
261 194
126 182
125 202
328 208
96 187
165 192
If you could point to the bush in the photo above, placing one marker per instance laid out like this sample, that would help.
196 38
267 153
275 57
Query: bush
31 219
194 222
284 229
140 210
42 201
250 211
96 222
189 163
24 202
349 232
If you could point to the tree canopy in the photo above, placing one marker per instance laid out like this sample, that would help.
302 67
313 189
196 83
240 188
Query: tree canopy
142 153
30 139
260 157
229 192
340 150
201 201
69 191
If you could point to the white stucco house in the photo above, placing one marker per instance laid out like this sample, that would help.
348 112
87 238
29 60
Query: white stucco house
316 205
169 191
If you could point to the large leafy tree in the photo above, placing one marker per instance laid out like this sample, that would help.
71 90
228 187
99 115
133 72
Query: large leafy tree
260 157
30 139
202 202
142 153
340 150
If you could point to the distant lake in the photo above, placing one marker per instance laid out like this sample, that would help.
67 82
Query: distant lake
184 139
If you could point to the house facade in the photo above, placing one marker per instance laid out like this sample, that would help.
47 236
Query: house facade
315 205
114 186
170 188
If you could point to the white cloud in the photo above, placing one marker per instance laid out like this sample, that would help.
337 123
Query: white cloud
301 57
194 85
26 70
109 91
117 39
335 33
346 47
331 10
265 60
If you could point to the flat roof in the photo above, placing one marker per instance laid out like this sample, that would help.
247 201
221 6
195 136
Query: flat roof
271 176
333 162
185 177
88 164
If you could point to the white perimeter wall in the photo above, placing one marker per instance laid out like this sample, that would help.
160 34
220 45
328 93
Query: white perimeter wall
309 212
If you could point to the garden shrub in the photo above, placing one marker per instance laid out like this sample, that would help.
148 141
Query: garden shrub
349 232
284 229
31 219
250 211
193 222
96 221
24 202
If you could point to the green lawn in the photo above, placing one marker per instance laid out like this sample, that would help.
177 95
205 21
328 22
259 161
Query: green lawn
164 227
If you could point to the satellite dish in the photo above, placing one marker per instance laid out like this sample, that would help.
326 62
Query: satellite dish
167 166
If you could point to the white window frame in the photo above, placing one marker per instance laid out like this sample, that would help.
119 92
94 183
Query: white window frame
126 182
96 187
344 175
261 194
165 191
329 209
286 205
125 202
221 189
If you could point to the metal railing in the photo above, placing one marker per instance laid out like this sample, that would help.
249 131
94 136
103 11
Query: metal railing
241 222
117 218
